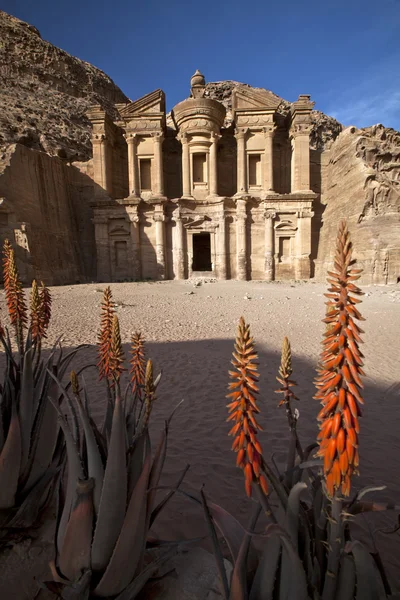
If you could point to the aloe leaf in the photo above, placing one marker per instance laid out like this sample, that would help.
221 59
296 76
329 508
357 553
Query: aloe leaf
238 589
156 511
229 527
296 574
114 493
75 472
31 506
369 583
219 559
132 590
71 409
131 542
347 578
292 512
94 462
10 462
79 590
136 458
26 406
156 469
266 574
75 553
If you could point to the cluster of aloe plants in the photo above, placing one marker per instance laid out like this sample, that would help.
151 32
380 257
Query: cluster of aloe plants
31 447
107 501
308 548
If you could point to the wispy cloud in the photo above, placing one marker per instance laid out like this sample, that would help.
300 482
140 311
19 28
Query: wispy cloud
372 97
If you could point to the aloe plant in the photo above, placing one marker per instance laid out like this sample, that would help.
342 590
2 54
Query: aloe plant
107 502
31 445
308 551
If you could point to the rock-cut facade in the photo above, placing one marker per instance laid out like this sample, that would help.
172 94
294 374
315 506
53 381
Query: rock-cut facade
194 193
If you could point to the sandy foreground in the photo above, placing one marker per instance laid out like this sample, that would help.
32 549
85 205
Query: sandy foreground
190 332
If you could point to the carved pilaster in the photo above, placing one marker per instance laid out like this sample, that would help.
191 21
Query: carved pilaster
159 220
241 240
240 135
268 170
221 246
269 245
136 262
158 164
133 165
185 165
179 252
102 160
213 164
303 244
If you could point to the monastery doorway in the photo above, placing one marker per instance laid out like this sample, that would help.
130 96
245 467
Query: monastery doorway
202 252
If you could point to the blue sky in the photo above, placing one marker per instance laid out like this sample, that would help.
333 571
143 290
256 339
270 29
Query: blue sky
346 54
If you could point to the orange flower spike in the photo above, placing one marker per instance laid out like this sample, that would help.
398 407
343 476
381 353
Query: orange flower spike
138 364
15 297
243 381
339 385
105 335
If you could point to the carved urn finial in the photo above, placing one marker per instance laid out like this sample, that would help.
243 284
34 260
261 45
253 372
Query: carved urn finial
197 84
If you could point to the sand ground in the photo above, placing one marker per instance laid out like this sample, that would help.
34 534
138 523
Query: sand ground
190 332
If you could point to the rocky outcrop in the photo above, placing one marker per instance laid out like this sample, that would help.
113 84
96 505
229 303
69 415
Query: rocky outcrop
361 182
45 93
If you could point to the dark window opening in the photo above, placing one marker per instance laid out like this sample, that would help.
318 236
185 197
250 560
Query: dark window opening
201 252
199 168
284 249
145 174
254 170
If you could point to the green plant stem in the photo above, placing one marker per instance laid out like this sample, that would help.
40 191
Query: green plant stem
335 545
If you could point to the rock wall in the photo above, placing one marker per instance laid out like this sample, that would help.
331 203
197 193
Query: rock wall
45 211
45 93
361 182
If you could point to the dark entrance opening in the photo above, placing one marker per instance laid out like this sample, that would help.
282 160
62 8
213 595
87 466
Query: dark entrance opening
201 252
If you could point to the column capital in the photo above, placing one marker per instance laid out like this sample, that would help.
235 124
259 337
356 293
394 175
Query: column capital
300 129
269 215
269 130
158 215
241 133
183 137
98 138
131 138
158 136
214 137
133 215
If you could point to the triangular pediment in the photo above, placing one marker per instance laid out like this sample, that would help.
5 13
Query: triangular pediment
153 103
252 99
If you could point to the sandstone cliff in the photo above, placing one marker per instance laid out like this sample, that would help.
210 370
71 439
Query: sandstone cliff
45 93
361 182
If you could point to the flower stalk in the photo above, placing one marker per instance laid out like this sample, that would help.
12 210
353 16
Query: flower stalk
243 391
339 385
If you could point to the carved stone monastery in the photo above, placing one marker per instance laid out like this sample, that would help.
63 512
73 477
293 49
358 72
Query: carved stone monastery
202 196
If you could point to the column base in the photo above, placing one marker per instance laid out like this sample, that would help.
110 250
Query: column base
268 194
243 195
187 197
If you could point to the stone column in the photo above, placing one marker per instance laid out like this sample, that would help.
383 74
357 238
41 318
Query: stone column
158 165
179 252
213 165
241 246
133 165
102 166
303 244
241 162
159 219
185 166
300 139
134 219
269 245
221 246
268 171
102 247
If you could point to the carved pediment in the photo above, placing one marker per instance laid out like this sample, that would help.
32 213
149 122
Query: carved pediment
197 222
153 103
244 98
119 229
285 227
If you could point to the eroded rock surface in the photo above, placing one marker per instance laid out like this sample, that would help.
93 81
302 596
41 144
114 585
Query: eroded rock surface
45 93
361 183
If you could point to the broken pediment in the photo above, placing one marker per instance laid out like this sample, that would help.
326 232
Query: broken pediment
153 103
244 98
